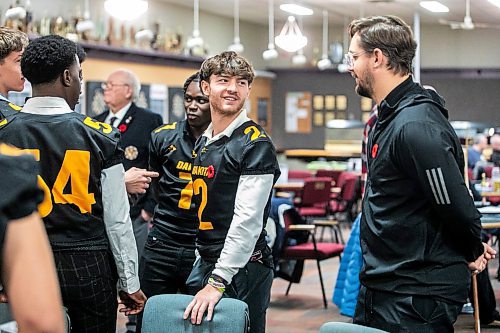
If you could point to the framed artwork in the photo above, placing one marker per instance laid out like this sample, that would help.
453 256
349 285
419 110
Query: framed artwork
318 118
341 101
318 102
329 116
330 102
366 104
262 111
176 110
298 112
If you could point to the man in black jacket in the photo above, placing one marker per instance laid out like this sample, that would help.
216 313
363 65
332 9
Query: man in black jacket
135 124
420 231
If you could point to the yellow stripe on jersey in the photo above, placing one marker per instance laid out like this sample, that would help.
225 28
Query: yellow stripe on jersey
15 107
166 127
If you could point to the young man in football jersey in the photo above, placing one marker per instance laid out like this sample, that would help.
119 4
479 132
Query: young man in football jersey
85 210
27 265
169 252
12 45
233 172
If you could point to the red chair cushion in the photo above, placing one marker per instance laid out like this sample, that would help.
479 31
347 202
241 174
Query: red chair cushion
306 251
312 211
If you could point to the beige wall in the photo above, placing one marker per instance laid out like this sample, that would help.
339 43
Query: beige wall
98 70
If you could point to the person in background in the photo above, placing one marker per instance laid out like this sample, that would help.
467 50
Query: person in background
495 146
234 170
135 124
28 273
12 45
420 232
85 210
169 252
474 153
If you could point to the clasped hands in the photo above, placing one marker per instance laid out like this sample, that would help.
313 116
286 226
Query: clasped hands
478 265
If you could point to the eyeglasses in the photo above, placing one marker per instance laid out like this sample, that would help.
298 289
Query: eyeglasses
110 85
351 57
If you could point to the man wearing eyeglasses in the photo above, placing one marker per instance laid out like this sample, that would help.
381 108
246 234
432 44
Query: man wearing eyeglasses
135 124
420 231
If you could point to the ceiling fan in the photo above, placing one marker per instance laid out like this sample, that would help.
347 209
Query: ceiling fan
467 23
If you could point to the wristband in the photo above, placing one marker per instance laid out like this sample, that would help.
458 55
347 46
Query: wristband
217 282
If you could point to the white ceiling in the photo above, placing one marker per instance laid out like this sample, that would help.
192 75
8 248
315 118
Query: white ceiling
257 10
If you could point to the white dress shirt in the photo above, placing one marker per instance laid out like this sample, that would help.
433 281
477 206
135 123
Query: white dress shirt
118 115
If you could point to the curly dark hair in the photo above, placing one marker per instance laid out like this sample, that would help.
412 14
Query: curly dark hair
391 35
46 58
229 63
193 78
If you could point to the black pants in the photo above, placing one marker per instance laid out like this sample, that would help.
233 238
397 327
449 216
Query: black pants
404 313
252 285
164 269
88 287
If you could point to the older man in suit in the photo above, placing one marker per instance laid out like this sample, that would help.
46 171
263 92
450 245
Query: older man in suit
135 124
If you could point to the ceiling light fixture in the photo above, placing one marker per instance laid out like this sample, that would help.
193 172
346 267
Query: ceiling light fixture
290 38
295 9
86 24
271 52
126 10
325 62
434 6
195 40
236 46
495 2
299 59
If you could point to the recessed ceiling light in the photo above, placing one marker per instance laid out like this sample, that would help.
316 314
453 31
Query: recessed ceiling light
495 2
434 6
296 9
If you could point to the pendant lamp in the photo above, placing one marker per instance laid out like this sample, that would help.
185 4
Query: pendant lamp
271 52
236 46
325 62
195 40
290 38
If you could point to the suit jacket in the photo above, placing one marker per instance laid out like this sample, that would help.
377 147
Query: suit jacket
135 128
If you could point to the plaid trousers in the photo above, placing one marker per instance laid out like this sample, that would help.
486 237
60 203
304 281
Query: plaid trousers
88 287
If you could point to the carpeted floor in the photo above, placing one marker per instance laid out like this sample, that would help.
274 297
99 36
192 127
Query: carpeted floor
302 310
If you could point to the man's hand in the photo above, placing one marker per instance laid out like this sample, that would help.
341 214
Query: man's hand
478 265
133 303
205 299
146 216
137 180
3 297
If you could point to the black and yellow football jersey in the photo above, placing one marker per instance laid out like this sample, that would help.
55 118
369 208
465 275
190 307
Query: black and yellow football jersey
20 194
71 150
171 154
7 109
216 172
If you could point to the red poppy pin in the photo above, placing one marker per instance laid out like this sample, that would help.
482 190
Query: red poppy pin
122 128
210 172
374 150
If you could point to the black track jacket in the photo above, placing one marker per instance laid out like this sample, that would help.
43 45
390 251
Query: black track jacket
419 226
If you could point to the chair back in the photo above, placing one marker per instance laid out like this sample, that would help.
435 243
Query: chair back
299 174
348 192
316 191
333 327
163 314
333 174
